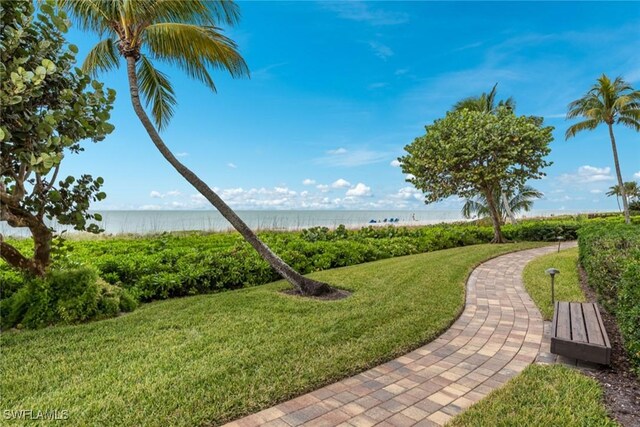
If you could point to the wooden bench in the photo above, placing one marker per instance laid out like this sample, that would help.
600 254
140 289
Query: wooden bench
577 331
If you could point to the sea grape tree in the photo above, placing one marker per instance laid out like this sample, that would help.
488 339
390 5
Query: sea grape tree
47 109
474 152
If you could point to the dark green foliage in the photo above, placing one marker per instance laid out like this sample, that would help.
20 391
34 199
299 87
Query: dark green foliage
173 265
49 109
628 312
64 296
610 254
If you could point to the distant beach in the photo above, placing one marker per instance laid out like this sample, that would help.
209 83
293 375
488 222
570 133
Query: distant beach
144 222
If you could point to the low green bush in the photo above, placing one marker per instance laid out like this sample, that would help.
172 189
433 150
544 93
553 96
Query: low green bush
628 312
179 264
610 255
65 296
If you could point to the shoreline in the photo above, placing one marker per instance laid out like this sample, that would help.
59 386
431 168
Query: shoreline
82 235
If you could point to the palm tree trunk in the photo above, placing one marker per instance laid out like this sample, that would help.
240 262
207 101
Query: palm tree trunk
302 284
495 217
507 207
623 193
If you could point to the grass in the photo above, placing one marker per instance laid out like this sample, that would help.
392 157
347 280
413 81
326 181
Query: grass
212 358
567 283
541 396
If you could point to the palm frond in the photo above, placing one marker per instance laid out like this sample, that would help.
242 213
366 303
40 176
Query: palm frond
474 207
630 122
589 124
523 199
195 49
613 191
471 103
197 12
157 91
91 15
102 57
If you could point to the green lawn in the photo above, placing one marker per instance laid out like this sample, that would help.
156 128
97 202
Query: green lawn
212 358
567 283
541 396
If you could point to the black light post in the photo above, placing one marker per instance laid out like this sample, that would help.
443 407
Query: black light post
560 239
552 272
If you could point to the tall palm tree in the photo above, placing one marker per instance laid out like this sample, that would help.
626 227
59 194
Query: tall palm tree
522 201
632 190
181 33
615 191
608 102
486 103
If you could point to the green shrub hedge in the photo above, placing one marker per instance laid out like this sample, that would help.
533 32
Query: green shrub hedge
172 265
64 296
610 255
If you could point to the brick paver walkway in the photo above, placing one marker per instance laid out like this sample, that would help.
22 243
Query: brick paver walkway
497 336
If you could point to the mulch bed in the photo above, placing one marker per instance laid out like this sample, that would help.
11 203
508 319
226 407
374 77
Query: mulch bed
336 294
621 386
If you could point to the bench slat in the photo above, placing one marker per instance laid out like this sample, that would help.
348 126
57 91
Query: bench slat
578 331
563 324
607 343
594 332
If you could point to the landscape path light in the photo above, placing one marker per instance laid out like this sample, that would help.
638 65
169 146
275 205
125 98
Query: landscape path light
552 272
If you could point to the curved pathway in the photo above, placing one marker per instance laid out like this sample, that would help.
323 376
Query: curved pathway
497 336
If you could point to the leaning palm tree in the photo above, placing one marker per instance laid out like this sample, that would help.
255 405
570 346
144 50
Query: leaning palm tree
486 103
609 102
181 33
522 201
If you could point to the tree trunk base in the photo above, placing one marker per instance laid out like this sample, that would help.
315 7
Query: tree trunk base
328 293
314 288
500 240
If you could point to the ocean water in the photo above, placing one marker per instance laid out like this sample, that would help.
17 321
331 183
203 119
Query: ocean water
142 222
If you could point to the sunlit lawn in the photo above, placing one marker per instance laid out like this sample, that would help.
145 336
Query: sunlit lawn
567 283
212 358
541 396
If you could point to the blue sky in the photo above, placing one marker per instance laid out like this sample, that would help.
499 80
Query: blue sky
338 89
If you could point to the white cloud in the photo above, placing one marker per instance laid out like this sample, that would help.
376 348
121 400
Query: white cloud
359 190
232 165
380 50
401 71
341 183
322 187
378 85
596 191
395 163
350 158
308 181
158 195
365 12
337 151
408 193
587 174
183 154
637 175
409 176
